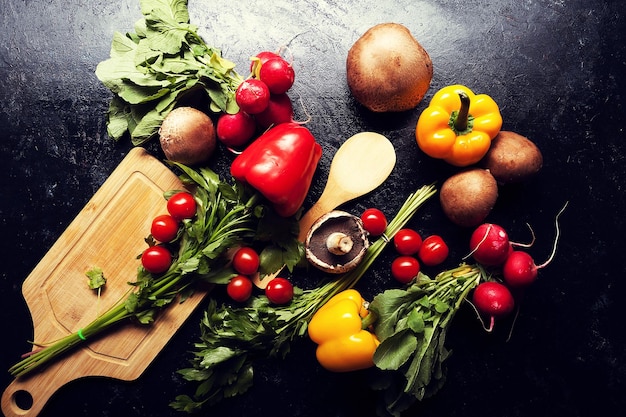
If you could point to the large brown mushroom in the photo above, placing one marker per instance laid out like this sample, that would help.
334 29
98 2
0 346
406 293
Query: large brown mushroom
336 242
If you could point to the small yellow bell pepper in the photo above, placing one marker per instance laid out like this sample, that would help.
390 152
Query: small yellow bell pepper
458 125
339 328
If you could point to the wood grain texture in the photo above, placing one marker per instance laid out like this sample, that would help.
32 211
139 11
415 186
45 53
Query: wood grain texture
109 233
362 163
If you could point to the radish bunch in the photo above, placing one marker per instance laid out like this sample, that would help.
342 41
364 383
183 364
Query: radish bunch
490 246
262 99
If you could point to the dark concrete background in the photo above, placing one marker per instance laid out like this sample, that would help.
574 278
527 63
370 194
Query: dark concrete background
555 67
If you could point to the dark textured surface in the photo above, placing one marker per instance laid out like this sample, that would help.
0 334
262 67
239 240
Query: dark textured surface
555 67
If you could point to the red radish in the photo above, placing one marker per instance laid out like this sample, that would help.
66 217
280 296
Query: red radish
278 74
279 110
259 60
252 96
520 270
235 130
493 300
490 245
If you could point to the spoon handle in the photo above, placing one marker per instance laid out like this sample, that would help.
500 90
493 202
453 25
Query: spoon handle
316 211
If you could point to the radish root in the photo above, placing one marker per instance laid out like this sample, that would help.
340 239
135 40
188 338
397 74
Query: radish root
526 245
556 237
479 243
492 320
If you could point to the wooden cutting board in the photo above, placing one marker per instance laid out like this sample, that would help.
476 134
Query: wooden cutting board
108 233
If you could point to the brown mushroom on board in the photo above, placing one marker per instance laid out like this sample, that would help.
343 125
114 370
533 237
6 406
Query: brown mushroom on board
336 242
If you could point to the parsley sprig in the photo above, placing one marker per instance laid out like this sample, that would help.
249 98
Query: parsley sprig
227 216
232 338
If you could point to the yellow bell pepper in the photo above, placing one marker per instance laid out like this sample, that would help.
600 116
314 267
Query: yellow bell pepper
458 125
339 328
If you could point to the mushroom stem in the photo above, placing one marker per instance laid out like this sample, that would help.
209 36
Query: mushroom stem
339 243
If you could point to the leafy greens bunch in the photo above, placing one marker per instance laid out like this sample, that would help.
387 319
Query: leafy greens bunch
150 70
232 338
412 326
227 216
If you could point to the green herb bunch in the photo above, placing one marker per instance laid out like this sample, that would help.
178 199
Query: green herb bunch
412 326
232 338
151 69
227 216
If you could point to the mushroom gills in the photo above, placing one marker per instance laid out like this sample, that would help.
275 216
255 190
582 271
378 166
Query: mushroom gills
336 242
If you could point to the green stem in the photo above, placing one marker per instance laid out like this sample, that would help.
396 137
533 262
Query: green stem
461 120
114 315
350 279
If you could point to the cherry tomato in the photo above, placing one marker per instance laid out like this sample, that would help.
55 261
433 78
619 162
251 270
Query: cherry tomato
279 291
156 259
407 241
374 221
239 288
405 268
433 251
246 261
164 228
181 206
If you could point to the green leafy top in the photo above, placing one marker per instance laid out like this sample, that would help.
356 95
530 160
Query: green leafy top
233 337
151 69
227 215
412 326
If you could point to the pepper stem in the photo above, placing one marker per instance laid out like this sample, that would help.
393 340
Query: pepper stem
460 123
368 320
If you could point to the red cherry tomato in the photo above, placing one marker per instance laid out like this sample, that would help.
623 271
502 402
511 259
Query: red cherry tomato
407 241
405 268
239 288
433 250
279 291
164 228
181 206
246 261
156 259
374 221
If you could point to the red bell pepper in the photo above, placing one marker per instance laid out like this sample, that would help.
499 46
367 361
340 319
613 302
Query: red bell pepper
280 165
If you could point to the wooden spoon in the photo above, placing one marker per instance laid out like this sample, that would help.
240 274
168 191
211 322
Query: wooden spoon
361 164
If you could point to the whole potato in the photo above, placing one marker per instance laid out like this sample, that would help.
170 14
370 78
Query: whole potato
512 158
388 70
467 197
187 136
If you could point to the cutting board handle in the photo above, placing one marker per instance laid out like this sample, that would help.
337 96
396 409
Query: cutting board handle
35 391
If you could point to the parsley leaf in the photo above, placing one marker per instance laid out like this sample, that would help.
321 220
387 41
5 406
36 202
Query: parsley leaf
96 278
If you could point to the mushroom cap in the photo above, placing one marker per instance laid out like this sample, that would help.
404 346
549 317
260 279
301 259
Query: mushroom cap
317 251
